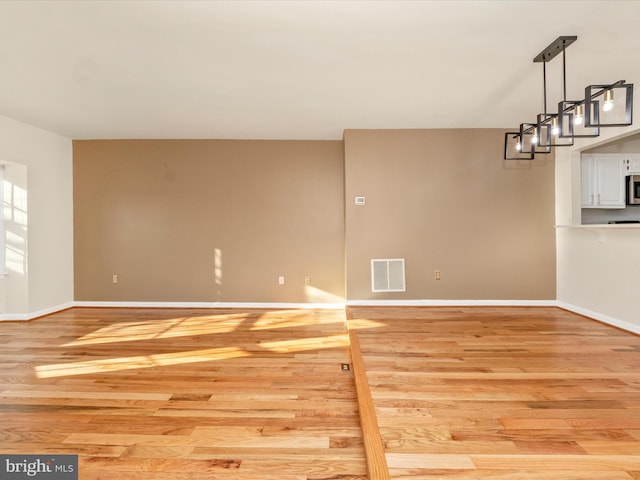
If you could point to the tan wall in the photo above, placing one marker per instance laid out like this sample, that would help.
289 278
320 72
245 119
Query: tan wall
208 220
445 200
164 214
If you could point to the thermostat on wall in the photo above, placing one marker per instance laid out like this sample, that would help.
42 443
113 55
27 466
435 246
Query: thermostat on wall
360 200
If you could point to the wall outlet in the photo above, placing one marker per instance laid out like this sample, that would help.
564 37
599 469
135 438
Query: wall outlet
436 275
281 280
115 279
307 280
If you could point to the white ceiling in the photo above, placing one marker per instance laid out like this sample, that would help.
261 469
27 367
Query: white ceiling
299 69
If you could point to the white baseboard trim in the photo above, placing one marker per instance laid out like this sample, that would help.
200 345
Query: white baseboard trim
614 322
8 317
451 303
17 317
279 305
274 305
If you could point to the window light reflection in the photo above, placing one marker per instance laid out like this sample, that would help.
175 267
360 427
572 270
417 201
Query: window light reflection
279 338
142 361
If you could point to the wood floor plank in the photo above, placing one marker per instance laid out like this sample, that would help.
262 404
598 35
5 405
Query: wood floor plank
557 462
457 393
184 394
518 474
376 461
431 461
501 393
114 475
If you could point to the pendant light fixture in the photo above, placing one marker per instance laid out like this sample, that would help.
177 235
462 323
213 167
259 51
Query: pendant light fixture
574 118
603 114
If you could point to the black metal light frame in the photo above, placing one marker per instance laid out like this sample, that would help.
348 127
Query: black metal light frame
512 138
594 91
545 134
568 131
526 134
566 109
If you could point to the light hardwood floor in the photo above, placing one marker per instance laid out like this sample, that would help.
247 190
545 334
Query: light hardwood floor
502 393
145 394
194 394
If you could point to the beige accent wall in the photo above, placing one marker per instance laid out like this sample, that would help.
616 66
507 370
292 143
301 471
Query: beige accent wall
221 220
208 220
446 200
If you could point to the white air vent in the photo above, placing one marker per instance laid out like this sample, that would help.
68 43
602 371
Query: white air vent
387 275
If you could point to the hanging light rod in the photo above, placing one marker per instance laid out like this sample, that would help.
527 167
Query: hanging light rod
554 48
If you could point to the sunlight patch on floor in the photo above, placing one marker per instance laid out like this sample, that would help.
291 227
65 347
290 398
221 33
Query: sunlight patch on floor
141 361
162 328
193 356
363 323
200 326
303 344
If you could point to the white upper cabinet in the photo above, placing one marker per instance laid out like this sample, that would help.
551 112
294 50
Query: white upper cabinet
603 181
631 164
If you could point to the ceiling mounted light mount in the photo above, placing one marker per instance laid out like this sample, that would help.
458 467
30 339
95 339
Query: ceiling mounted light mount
603 106
557 46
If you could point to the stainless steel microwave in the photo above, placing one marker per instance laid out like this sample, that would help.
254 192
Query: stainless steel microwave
633 190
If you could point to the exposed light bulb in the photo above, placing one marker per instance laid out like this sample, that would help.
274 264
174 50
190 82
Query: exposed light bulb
578 116
608 101
555 130
534 136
